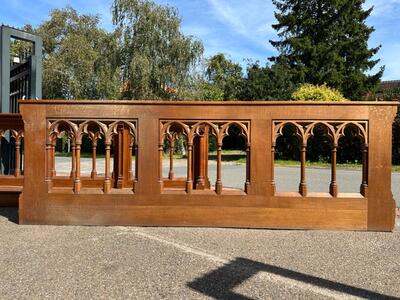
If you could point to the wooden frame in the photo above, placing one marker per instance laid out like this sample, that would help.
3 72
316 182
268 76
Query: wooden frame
146 201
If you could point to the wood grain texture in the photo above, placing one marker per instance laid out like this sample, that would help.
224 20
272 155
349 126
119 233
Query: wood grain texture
146 198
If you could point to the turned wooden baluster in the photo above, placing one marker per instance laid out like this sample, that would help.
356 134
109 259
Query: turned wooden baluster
77 178
93 174
171 139
119 158
160 166
364 184
131 154
135 180
53 158
303 184
273 185
218 183
200 159
73 169
107 177
247 184
189 180
333 189
18 136
49 163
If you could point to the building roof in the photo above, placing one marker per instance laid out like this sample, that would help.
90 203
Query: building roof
389 85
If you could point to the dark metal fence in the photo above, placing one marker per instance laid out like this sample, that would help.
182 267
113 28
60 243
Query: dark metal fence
20 83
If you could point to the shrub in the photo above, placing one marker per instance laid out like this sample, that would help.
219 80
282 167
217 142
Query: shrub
309 92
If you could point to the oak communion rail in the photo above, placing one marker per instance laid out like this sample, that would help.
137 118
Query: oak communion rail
133 190
11 162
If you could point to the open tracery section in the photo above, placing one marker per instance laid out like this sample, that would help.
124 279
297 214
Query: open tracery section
334 131
119 140
197 136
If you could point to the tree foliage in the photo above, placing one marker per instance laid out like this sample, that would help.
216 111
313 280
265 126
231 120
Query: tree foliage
222 79
156 58
309 92
327 42
225 80
78 57
268 83
226 75
146 56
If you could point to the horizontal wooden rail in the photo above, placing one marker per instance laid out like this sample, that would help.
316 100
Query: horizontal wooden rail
135 137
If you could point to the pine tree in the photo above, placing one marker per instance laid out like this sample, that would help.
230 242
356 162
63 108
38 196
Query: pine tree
326 41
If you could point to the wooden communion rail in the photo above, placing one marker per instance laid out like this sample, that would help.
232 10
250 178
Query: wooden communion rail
137 193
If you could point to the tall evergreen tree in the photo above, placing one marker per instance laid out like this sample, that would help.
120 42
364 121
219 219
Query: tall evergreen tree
326 41
267 83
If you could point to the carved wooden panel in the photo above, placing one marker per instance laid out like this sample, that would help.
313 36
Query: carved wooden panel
334 130
173 129
94 129
96 200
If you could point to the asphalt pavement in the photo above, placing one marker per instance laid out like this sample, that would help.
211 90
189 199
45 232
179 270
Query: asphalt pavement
50 262
78 262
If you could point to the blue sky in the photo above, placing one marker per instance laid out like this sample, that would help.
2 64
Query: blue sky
238 28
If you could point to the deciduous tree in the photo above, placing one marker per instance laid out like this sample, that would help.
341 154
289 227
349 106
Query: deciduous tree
79 59
155 56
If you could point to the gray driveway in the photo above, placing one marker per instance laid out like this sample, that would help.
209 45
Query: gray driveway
67 262
38 262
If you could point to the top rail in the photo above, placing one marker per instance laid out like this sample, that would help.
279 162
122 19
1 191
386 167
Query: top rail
213 103
11 121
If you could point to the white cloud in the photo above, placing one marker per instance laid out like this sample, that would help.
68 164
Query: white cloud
198 31
251 19
229 15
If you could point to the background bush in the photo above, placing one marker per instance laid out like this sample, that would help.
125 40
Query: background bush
309 92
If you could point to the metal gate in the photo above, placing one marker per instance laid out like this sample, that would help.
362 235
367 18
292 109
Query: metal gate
20 83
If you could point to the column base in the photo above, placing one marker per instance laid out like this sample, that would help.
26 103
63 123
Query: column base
189 186
364 190
303 189
107 187
200 184
247 187
218 188
333 190
77 186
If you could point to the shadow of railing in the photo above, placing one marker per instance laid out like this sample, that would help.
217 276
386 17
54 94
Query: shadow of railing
10 213
219 284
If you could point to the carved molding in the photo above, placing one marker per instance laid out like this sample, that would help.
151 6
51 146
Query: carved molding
94 129
193 128
335 130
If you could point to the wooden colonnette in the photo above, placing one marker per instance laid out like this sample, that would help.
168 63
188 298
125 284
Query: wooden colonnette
11 182
139 194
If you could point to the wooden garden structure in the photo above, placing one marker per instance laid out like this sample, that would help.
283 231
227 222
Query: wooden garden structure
139 194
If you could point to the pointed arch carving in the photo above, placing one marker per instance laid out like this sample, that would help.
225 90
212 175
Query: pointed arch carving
334 130
95 129
172 129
